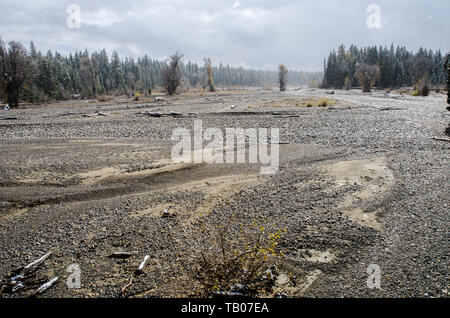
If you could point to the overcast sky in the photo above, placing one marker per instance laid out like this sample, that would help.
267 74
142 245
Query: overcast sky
252 33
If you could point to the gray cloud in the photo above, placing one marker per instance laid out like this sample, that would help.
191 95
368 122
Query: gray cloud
259 34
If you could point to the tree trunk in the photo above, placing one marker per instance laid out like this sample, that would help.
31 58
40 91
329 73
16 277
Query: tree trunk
13 95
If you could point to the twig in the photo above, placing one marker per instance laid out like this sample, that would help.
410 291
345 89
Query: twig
127 285
441 139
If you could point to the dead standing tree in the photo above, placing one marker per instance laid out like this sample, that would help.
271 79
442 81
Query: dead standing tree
171 74
367 76
209 74
282 77
16 67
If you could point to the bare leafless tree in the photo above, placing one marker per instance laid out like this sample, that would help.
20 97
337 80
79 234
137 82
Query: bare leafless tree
367 75
16 67
171 74
282 77
209 74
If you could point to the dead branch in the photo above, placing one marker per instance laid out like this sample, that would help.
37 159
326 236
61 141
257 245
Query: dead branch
44 287
33 266
142 265
122 292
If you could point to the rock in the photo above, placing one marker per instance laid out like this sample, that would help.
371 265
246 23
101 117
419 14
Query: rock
167 214
282 280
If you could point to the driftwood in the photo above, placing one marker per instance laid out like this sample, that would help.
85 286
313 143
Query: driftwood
228 294
121 255
19 278
33 266
147 111
95 114
142 265
45 286
441 139
154 114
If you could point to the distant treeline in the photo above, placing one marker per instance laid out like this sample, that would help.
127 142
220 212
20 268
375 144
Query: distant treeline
60 77
397 66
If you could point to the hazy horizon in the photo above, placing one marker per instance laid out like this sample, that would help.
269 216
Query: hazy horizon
253 34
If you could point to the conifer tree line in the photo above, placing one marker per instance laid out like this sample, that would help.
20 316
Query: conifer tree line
397 67
53 76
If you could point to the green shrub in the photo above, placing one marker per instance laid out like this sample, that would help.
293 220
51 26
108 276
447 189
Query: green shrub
227 259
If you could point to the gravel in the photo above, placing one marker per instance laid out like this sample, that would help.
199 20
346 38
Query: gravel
44 205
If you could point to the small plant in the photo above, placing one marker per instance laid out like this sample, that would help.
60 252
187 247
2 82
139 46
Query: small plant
137 96
324 102
236 260
102 98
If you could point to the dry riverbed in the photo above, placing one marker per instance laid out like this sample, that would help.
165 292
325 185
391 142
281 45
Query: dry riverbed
363 179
